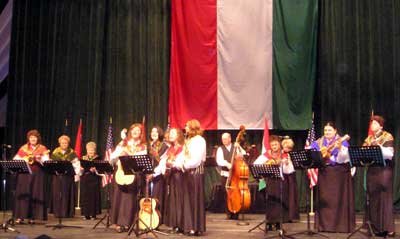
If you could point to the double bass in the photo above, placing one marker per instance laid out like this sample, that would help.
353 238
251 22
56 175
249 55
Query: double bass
237 189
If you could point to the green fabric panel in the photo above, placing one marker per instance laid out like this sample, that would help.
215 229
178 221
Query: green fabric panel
295 25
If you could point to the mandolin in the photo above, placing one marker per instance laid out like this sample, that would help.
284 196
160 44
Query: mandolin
31 158
149 216
326 151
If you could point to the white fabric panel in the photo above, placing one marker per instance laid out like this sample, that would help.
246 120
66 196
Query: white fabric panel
244 44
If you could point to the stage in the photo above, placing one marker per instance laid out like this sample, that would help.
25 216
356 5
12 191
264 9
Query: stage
217 227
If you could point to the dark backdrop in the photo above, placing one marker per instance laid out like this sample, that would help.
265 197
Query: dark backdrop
97 59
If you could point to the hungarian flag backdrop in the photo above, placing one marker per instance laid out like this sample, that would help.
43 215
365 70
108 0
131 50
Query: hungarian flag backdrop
235 62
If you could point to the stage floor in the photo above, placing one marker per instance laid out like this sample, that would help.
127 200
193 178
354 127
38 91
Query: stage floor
217 227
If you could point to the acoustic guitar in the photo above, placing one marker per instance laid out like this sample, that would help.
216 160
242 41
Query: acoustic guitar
149 216
121 178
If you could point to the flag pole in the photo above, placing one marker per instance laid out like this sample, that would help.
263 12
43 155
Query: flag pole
79 181
312 202
311 213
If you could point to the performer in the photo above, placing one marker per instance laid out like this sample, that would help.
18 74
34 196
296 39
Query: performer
30 202
64 206
335 193
273 156
90 186
289 174
380 181
195 155
171 168
124 201
223 157
157 148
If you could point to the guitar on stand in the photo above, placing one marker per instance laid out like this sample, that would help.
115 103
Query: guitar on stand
148 214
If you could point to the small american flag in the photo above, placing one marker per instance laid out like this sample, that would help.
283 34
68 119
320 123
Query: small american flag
312 172
109 148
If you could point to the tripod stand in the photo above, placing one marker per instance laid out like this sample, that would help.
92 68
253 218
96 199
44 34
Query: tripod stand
304 160
14 166
62 170
107 215
366 156
272 172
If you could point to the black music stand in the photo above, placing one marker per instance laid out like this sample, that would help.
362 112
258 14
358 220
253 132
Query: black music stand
272 172
304 160
366 156
102 167
59 169
138 164
11 167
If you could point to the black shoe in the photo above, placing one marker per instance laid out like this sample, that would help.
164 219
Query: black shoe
87 217
235 216
278 226
391 234
269 227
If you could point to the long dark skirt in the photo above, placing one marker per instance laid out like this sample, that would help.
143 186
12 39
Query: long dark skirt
292 197
158 193
335 210
173 209
90 194
30 196
380 189
194 216
275 205
63 196
124 203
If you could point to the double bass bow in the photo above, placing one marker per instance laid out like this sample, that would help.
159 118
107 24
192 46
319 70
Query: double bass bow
237 189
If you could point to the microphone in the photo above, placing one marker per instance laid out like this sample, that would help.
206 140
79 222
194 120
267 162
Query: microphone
6 146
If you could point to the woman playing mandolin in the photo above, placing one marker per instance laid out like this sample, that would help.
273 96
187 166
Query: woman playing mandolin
30 192
335 194
171 167
158 146
124 203
380 180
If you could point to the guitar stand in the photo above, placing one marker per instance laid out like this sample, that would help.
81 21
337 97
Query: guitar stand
135 225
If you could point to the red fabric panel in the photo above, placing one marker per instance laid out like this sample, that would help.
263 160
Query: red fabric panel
193 76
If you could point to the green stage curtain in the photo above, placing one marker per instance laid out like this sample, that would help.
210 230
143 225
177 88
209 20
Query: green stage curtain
88 60
359 71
